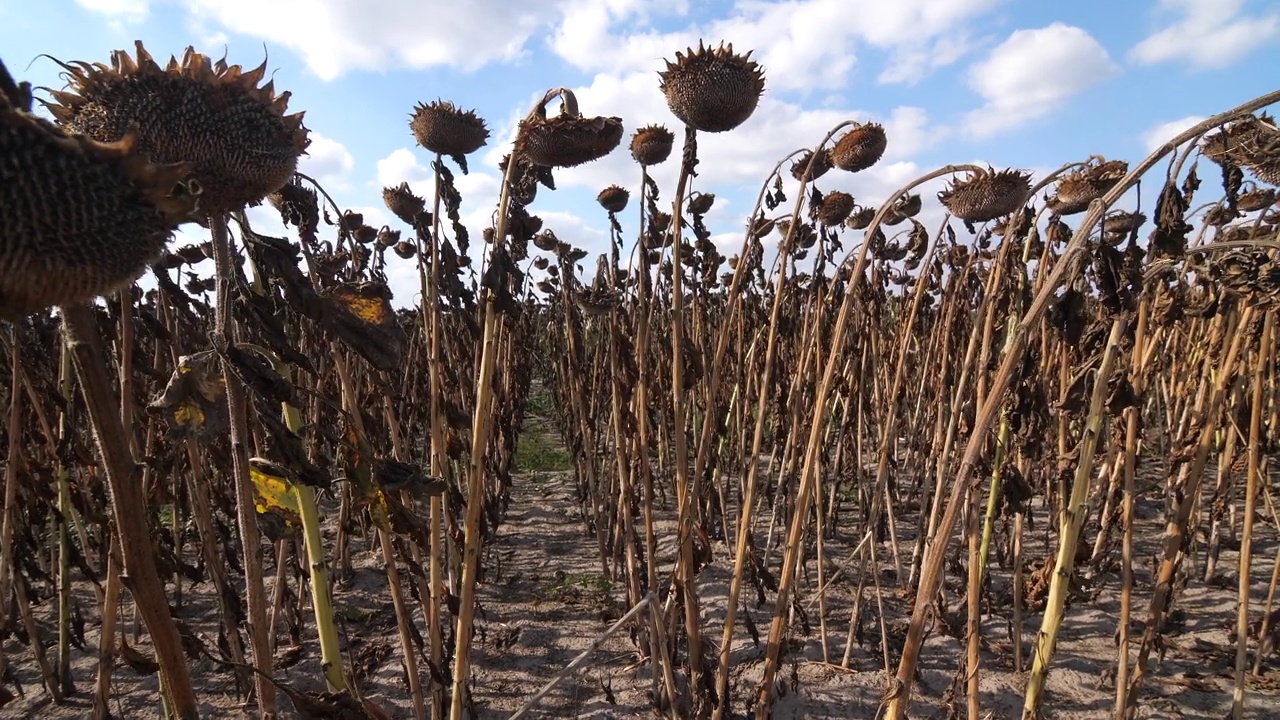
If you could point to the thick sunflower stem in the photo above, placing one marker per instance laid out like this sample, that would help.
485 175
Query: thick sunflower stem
1250 503
686 496
480 427
129 506
1065 566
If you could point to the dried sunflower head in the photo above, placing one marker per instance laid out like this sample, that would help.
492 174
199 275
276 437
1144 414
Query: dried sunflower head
986 195
712 90
651 145
1252 143
613 199
405 249
835 208
402 203
443 128
821 164
1256 199
860 148
241 145
567 139
861 219
78 218
1076 189
298 206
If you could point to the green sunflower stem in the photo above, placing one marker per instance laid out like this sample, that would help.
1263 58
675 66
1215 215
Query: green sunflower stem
313 539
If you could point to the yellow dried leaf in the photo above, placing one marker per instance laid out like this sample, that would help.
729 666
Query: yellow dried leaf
273 492
189 415
373 310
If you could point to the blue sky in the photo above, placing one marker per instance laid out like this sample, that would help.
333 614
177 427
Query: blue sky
1012 83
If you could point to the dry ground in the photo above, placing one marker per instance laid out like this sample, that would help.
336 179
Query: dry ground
546 599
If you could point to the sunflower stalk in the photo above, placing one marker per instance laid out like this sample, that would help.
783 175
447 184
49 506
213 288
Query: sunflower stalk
313 541
1064 567
812 448
129 508
1176 531
1262 361
480 427
14 452
65 374
246 514
898 697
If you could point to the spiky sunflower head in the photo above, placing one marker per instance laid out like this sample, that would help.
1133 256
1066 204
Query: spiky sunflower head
860 148
712 90
651 145
235 134
78 218
1078 188
568 139
1252 142
444 128
986 195
402 203
613 199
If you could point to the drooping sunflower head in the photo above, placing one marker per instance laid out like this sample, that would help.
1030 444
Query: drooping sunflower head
78 218
234 133
835 208
405 205
1252 142
444 128
569 138
986 195
651 145
712 89
860 148
1078 188
613 199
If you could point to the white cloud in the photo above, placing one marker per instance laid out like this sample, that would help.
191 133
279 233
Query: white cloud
1207 34
337 36
802 44
912 64
119 11
1165 131
403 166
328 161
1033 73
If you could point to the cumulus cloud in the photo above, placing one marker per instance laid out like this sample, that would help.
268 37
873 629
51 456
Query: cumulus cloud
910 65
328 161
338 36
1033 73
402 166
119 11
1165 131
803 44
1207 34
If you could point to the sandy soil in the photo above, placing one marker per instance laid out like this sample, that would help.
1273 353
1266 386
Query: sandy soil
546 600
